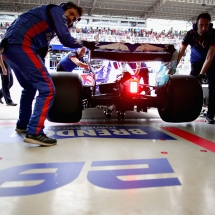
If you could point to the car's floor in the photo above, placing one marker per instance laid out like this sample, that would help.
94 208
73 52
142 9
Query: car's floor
141 165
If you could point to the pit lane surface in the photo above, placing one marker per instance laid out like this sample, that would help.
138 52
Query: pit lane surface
141 165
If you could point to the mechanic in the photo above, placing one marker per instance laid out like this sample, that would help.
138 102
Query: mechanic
73 59
141 71
7 83
202 41
24 46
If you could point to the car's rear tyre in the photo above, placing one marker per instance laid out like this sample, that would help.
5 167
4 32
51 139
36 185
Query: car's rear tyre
185 96
67 105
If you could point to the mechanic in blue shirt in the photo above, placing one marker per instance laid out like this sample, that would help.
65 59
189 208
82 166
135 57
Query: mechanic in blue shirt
24 46
202 41
73 59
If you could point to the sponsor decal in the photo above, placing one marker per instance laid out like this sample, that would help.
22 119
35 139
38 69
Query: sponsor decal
103 131
97 131
37 178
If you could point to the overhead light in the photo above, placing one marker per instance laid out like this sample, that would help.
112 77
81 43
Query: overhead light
202 2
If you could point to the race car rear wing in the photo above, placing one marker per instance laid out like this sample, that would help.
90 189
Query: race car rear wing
127 52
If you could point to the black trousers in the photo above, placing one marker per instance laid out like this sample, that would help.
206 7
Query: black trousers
144 74
7 83
195 70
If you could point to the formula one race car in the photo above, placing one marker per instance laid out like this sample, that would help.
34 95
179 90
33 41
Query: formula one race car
178 98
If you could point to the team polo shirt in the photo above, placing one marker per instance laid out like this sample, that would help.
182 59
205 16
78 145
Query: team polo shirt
199 50
67 64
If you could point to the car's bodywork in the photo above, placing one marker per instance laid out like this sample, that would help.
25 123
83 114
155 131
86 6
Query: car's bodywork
178 98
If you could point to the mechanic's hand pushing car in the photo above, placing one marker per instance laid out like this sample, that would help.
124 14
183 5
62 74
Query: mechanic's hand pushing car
202 78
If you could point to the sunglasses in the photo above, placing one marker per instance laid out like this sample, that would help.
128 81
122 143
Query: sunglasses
76 20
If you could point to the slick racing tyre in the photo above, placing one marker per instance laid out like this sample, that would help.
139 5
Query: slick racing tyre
185 96
67 105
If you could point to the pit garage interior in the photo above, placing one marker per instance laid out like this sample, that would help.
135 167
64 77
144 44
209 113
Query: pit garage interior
100 166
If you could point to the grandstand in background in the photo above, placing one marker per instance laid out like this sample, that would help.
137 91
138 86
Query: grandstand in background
107 29
111 22
112 29
108 22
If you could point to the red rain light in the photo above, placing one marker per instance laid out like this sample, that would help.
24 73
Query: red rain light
133 85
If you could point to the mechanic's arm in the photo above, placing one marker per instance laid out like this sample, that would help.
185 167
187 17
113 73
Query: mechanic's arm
181 52
4 70
208 60
79 63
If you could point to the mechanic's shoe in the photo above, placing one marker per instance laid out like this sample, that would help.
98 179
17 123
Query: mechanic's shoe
40 139
20 130
11 104
210 120
1 102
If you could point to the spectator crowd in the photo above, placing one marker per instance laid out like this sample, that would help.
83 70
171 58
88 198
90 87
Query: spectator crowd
117 35
126 35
